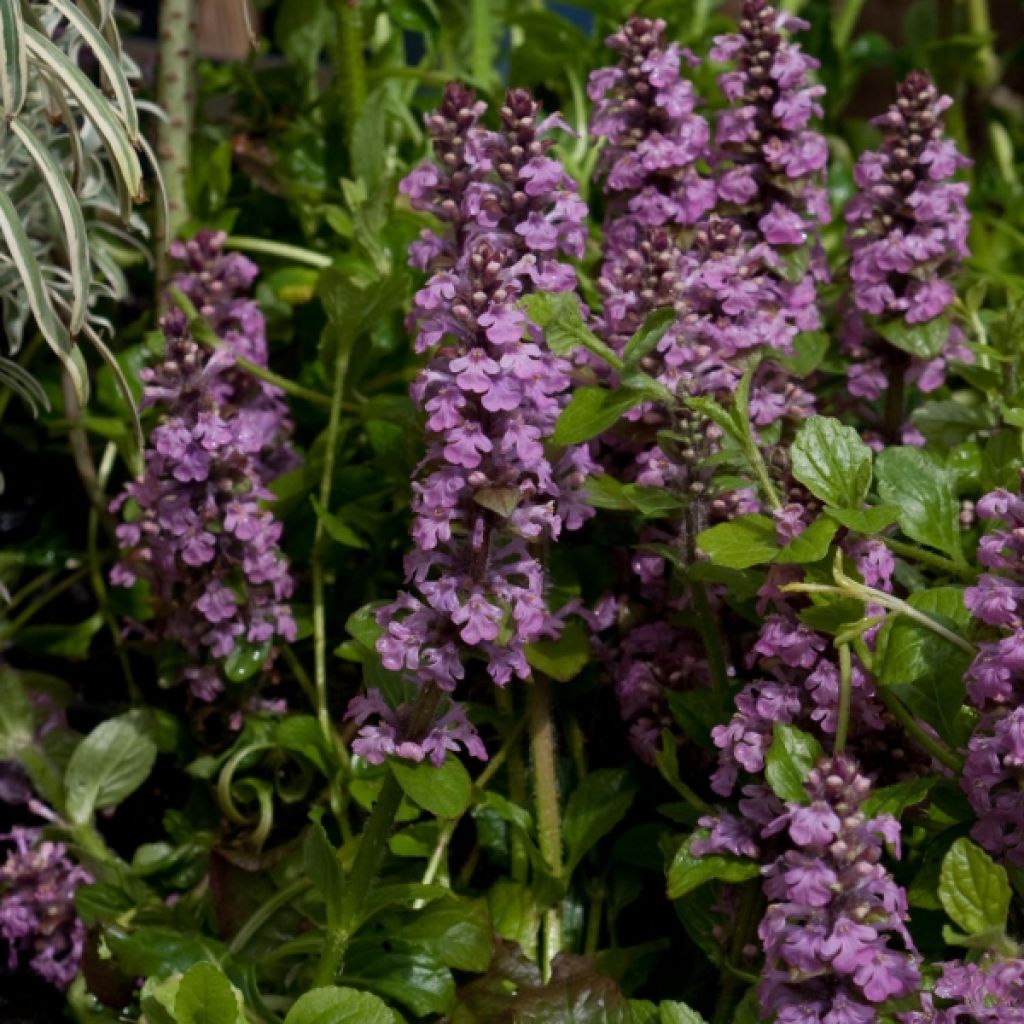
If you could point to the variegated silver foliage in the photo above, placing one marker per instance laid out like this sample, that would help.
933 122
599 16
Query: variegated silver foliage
70 173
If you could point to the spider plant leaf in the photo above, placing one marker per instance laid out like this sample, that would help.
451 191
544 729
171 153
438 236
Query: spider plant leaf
96 108
14 73
164 209
109 62
22 383
116 282
50 325
71 216
58 108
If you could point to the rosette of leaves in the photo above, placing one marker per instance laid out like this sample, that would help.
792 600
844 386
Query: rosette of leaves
70 174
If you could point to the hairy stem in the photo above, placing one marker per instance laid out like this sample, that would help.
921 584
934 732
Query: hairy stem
268 247
710 635
936 561
350 62
175 93
481 42
549 819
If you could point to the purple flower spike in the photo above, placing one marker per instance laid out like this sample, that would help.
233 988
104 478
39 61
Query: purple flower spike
491 390
989 992
770 160
646 112
907 233
37 909
994 768
194 526
834 934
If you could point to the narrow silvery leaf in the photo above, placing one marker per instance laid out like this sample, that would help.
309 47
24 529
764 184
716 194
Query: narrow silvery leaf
95 106
71 217
14 73
126 392
19 380
108 60
50 325
164 210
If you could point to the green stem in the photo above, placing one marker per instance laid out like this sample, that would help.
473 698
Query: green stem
292 253
99 586
175 95
41 602
845 22
372 848
980 24
756 462
549 819
201 330
707 626
595 913
517 855
845 688
351 64
917 733
318 567
265 911
898 547
745 924
481 42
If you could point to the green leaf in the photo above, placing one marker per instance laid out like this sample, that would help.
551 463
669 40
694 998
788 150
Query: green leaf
922 340
559 316
205 996
514 913
591 411
16 717
323 868
333 1005
749 540
108 765
337 529
832 461
597 805
246 660
456 933
974 889
645 339
868 521
923 490
301 29
687 872
444 791
811 545
679 1013
895 799
401 974
911 651
564 658
502 501
809 348
790 758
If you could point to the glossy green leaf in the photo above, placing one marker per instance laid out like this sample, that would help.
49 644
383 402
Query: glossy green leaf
563 658
742 543
868 520
205 996
687 872
332 1005
591 411
559 316
444 791
811 545
832 461
790 758
108 765
323 868
974 889
456 933
922 489
648 336
922 340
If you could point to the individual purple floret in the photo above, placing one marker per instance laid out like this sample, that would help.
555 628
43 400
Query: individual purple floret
989 992
37 909
834 934
994 768
770 161
907 235
654 140
195 530
487 488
